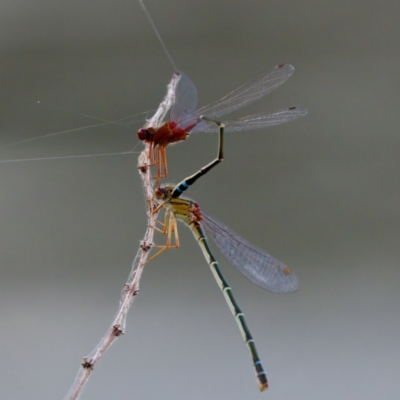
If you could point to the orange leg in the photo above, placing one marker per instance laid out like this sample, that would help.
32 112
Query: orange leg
161 165
163 224
163 160
152 160
159 158
170 227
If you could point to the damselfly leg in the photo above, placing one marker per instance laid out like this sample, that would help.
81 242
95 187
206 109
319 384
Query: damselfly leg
170 228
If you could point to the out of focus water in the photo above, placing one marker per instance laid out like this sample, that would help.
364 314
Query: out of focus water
320 193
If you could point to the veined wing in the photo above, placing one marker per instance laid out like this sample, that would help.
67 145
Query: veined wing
248 93
185 101
255 264
256 121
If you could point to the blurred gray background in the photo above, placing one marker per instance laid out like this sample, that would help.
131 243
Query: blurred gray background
320 193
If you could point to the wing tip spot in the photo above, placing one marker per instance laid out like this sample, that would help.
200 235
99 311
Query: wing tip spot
286 270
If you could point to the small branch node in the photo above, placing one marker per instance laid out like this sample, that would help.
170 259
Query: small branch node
142 168
117 331
146 246
87 364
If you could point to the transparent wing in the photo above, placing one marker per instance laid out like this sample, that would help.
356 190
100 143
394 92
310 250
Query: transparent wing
256 121
248 93
253 263
185 101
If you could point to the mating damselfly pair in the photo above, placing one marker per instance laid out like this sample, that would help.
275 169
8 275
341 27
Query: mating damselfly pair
255 264
184 119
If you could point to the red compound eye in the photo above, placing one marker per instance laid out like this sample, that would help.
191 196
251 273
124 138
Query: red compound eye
143 134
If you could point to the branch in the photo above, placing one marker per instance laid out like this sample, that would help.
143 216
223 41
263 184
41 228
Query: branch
131 288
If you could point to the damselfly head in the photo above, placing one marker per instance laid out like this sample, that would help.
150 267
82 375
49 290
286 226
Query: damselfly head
144 134
163 193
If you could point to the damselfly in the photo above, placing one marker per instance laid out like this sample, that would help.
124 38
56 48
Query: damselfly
184 119
255 264
181 101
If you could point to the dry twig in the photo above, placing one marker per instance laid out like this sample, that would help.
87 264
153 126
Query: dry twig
131 288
